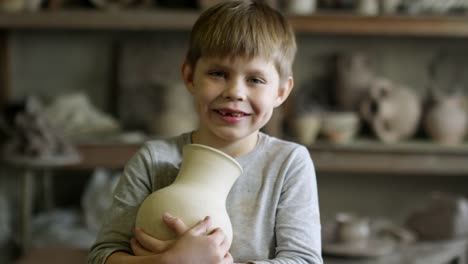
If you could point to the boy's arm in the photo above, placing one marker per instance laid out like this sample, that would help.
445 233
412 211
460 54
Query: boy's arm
298 229
297 221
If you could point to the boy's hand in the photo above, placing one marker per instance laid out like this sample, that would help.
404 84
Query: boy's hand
201 244
143 244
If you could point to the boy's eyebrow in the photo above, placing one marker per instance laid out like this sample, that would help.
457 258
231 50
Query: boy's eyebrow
217 65
227 67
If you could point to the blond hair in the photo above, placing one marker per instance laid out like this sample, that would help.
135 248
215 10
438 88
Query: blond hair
246 28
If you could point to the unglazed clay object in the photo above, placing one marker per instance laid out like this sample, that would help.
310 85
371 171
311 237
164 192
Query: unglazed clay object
353 79
446 120
200 189
393 111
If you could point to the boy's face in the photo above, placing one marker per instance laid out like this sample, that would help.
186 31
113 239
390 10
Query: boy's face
234 98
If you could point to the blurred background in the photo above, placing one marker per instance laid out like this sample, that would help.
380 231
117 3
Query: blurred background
380 101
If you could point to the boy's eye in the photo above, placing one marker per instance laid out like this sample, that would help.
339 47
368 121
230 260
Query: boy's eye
218 74
257 80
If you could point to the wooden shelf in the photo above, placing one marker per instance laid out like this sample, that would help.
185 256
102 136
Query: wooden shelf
453 26
112 156
360 157
408 158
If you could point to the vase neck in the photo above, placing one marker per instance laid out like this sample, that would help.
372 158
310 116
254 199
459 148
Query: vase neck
208 169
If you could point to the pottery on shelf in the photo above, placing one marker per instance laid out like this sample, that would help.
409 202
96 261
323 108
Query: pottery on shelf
306 128
392 111
444 217
353 78
340 127
200 189
446 120
352 236
300 7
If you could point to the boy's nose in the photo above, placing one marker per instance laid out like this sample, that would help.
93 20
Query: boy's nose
234 91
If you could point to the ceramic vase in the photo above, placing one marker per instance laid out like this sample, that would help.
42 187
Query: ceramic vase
392 111
300 7
200 189
446 120
306 128
354 75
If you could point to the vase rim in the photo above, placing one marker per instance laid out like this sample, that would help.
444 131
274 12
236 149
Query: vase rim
218 152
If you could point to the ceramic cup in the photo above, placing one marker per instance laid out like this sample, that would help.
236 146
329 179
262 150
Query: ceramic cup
351 229
340 127
306 128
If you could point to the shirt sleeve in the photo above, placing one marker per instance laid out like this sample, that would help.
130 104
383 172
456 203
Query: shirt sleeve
297 228
117 229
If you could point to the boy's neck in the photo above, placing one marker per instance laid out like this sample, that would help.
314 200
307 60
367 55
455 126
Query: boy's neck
235 149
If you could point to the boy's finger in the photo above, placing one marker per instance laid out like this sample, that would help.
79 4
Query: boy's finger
225 245
150 243
218 235
228 259
175 224
202 227
137 249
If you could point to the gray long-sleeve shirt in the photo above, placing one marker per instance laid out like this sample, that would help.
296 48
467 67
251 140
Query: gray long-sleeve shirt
273 205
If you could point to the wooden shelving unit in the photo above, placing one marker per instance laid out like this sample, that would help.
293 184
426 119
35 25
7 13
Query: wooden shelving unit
183 20
360 157
420 158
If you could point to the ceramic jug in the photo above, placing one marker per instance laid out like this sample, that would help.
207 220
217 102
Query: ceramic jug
354 75
446 120
200 189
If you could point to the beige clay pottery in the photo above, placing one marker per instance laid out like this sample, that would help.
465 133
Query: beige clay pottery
200 189
340 127
351 236
446 120
306 128
354 76
351 229
392 111
444 217
300 7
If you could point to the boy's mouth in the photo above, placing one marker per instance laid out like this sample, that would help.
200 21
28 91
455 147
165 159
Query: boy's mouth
230 112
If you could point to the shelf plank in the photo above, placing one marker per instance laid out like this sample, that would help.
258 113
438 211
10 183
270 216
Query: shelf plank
450 26
100 20
112 156
419 26
407 158
361 157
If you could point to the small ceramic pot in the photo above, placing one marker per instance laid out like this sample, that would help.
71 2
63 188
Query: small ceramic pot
351 229
300 7
306 128
340 127
446 120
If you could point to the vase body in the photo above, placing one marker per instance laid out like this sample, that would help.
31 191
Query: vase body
200 189
446 120
393 111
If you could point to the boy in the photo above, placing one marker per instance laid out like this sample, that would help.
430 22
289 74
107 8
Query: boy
238 69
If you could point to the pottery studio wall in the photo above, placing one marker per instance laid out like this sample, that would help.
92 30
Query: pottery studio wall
85 61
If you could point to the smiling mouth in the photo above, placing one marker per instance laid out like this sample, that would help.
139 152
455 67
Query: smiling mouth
229 113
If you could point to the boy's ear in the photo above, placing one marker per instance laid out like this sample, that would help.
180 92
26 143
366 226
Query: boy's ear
187 76
284 91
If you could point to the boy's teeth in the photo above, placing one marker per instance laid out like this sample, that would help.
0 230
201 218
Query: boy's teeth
231 114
